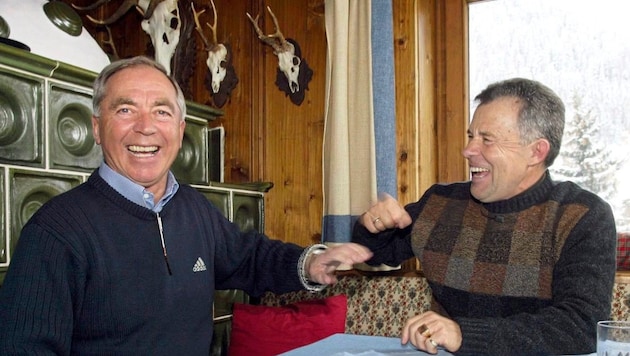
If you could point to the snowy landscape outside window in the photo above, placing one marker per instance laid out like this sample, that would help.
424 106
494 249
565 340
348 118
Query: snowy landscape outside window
581 50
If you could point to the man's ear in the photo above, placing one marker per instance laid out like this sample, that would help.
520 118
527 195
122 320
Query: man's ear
182 130
540 150
95 128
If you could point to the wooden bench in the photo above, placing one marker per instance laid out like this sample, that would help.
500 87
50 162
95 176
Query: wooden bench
620 308
377 305
380 305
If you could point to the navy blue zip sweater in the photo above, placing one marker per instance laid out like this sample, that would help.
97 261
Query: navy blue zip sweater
89 276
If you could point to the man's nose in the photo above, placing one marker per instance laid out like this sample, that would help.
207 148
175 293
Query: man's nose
144 123
471 148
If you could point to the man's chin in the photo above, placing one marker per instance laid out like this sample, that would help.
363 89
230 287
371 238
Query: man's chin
478 193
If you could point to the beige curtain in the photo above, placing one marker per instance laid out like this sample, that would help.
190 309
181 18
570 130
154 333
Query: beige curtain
360 129
349 156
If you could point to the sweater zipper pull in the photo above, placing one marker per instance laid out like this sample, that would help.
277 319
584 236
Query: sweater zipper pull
159 221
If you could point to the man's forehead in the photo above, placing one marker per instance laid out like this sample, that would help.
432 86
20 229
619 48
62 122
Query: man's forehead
145 72
496 117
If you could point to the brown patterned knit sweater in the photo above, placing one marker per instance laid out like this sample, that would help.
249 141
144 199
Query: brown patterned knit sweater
531 275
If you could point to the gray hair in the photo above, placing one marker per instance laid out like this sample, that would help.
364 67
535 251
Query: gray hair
541 114
100 83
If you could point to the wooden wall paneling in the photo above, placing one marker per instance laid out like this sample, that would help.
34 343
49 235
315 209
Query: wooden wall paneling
427 98
293 140
239 119
257 94
407 141
314 47
268 138
452 84
414 46
129 38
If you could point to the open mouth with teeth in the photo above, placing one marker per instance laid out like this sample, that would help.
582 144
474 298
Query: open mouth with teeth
478 171
143 150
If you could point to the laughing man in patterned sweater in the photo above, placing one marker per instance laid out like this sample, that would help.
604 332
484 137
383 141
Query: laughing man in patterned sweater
518 264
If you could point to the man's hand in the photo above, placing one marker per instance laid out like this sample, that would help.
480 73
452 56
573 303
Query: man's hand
320 268
387 213
429 330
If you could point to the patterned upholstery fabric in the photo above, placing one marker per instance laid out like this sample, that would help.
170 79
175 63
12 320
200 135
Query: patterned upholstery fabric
620 309
380 305
377 305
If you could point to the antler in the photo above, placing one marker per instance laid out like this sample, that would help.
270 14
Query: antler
90 7
122 9
275 40
213 27
198 26
110 42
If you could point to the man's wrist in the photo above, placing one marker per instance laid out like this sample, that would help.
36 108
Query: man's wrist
304 262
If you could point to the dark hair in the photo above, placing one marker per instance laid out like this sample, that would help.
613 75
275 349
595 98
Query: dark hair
100 83
541 114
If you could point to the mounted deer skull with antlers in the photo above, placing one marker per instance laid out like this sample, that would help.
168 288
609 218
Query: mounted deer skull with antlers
293 71
221 78
160 21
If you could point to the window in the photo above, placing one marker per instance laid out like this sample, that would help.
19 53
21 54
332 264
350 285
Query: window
581 50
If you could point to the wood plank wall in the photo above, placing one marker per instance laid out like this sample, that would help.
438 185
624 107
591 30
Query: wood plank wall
270 139
415 50
452 71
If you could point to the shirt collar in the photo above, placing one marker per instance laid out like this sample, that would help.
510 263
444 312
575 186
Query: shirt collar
135 192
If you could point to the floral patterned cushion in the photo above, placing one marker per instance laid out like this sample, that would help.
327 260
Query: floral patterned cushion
377 305
380 305
620 308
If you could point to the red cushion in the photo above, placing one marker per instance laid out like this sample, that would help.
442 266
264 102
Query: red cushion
623 251
263 330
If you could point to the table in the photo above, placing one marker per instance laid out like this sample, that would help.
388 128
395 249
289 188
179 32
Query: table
363 345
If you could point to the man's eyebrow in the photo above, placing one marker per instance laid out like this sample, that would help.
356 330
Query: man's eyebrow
121 101
164 102
480 133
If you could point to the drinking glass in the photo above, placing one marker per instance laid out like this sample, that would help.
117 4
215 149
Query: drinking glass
613 338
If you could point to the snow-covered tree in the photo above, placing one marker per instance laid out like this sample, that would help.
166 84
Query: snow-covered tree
585 158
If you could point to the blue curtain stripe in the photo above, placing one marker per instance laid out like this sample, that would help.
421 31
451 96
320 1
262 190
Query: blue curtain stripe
384 95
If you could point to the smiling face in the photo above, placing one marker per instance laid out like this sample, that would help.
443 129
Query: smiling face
501 165
140 127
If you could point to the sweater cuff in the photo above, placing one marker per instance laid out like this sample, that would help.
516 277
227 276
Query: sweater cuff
475 336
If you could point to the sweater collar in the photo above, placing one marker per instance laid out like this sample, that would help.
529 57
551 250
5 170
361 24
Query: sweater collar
135 192
530 197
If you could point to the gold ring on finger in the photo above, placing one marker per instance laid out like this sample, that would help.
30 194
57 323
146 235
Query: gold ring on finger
424 331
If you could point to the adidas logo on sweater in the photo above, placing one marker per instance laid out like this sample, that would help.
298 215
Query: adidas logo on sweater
199 265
